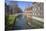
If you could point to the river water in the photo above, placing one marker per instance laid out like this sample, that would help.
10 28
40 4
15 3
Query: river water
20 22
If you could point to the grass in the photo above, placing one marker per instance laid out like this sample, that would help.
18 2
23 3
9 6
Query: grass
11 19
37 24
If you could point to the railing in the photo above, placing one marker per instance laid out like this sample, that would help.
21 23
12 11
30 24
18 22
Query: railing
37 18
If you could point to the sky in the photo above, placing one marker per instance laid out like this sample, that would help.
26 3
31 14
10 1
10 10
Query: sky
22 4
19 0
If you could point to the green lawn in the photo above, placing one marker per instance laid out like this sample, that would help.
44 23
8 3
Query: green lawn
11 19
37 24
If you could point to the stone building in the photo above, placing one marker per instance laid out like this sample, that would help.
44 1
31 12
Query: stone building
13 8
28 14
28 11
38 9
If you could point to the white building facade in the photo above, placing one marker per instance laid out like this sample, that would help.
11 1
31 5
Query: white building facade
38 9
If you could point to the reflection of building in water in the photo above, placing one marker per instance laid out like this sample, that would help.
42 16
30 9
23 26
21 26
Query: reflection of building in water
38 9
